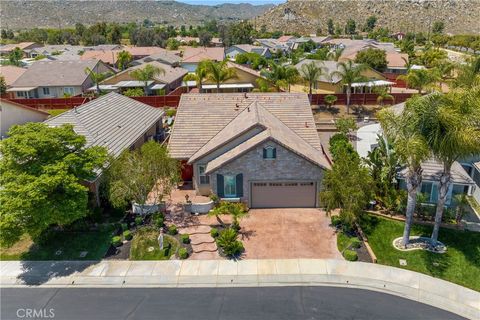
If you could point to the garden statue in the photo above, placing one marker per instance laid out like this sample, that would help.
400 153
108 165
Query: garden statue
160 239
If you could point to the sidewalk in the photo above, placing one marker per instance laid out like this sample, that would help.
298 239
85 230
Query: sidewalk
244 273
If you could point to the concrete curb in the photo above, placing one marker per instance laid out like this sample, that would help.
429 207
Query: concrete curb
245 273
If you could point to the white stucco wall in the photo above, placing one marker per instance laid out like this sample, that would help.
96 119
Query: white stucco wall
11 114
367 138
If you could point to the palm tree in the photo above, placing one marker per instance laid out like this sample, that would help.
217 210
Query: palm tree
450 125
219 72
148 73
280 76
411 148
468 74
336 54
383 95
311 73
199 75
420 79
123 59
349 73
97 77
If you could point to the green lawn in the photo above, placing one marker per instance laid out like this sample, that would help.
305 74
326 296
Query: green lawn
56 112
147 237
343 241
70 243
460 264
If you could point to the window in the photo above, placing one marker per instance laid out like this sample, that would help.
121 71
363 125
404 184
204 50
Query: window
21 94
46 91
204 179
269 153
230 186
69 91
427 190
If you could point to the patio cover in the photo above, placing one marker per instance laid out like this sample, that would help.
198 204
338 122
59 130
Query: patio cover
373 83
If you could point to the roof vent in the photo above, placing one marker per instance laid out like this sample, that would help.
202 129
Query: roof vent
237 106
75 109
246 96
306 124
248 109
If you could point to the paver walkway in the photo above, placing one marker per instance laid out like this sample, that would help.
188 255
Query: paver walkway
203 245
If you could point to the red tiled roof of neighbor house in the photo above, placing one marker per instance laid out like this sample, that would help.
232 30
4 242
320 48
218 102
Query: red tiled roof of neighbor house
107 56
285 38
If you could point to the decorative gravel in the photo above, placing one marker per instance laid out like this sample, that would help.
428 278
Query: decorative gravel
420 243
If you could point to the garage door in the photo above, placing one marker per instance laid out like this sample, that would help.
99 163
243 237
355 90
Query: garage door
283 194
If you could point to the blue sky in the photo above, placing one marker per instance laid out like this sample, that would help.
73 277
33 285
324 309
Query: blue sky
215 2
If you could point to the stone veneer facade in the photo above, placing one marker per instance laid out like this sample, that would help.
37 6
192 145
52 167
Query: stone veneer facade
288 166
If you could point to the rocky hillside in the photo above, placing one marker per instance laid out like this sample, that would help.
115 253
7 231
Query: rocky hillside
18 14
459 16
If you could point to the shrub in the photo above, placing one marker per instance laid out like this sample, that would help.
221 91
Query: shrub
356 243
227 240
336 221
116 241
182 253
158 219
138 220
214 232
172 230
214 198
185 238
171 112
124 226
127 235
350 255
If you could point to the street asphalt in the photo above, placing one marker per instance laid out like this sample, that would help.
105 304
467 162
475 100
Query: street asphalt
252 303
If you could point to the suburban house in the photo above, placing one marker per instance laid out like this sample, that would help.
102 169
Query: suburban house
245 81
463 172
233 51
193 56
169 81
258 148
396 61
167 57
274 45
60 52
115 122
26 47
475 174
328 84
11 74
12 113
56 79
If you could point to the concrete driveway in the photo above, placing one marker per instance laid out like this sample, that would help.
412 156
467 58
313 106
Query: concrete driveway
288 233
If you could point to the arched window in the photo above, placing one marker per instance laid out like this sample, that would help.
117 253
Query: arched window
269 152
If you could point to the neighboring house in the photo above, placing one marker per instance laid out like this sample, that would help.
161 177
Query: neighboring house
11 74
109 57
26 47
329 84
258 148
476 179
167 57
395 59
115 122
462 180
60 52
12 113
193 56
274 45
462 183
55 79
123 80
233 51
245 81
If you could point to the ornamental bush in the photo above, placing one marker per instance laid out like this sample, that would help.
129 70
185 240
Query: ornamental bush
116 241
172 230
350 255
336 221
127 235
185 238
356 243
183 253
227 240
214 232
138 220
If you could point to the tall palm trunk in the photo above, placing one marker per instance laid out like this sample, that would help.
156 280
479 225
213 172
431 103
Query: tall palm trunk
145 88
310 92
98 89
218 86
349 89
443 186
414 181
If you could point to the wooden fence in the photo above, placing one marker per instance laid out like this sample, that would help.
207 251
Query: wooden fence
359 98
172 101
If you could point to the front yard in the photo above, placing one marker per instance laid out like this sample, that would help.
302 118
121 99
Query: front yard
460 264
87 245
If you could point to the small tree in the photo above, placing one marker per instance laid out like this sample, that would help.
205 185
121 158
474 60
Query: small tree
219 72
383 95
42 170
374 58
349 73
345 125
97 77
236 210
330 100
15 56
148 73
142 176
123 59
3 85
311 73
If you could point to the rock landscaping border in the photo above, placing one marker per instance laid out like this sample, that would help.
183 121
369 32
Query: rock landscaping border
419 243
